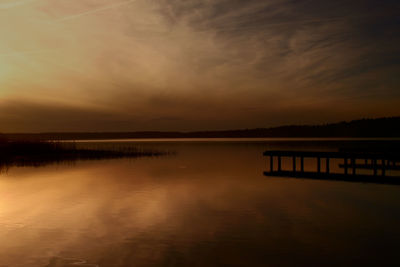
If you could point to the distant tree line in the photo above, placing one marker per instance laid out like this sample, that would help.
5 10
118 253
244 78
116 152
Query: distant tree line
382 127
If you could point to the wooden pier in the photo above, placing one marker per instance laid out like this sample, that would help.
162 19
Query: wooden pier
378 164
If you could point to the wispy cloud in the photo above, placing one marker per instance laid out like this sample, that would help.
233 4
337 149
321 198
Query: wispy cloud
21 53
12 4
95 10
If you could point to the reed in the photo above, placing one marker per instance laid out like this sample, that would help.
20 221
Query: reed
39 153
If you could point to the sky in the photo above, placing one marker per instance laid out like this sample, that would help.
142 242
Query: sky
132 65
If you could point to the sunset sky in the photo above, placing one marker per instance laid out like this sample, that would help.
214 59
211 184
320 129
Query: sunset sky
129 65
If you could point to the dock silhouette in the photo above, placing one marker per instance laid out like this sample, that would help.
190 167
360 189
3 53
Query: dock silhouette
377 164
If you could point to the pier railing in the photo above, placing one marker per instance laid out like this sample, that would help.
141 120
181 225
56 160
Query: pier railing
378 163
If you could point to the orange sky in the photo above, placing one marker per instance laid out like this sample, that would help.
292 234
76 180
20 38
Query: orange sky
125 65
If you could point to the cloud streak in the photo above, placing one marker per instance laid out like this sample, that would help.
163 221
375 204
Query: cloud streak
95 10
13 4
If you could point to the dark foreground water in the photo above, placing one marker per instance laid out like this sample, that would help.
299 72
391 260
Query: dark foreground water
207 205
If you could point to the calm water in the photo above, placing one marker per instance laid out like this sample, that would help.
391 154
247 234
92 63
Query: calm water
207 205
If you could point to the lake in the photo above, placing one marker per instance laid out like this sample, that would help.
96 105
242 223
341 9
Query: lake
206 204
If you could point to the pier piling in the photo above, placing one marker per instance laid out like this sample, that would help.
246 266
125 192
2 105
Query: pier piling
367 161
294 164
327 165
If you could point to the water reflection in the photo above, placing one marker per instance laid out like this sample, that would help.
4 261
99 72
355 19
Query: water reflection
209 205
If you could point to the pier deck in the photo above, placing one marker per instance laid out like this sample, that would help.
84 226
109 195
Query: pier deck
378 163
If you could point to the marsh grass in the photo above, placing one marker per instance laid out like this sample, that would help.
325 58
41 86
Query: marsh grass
39 153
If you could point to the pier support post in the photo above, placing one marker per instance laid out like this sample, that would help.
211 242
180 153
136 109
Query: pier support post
353 164
294 164
271 163
302 164
327 165
279 164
